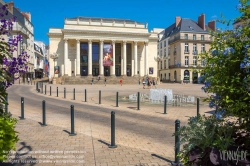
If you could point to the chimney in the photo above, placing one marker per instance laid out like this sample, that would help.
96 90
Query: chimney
10 6
177 20
201 21
212 25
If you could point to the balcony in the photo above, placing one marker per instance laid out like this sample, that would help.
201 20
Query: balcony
186 51
195 52
183 38
185 66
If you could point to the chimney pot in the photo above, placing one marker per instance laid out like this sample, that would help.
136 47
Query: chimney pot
177 20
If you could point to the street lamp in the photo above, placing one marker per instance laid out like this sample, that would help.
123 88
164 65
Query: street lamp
54 56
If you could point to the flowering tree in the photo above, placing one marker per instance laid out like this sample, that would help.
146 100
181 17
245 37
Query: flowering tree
10 68
227 82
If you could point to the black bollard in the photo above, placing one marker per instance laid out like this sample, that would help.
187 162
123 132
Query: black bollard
177 142
85 95
112 130
65 93
100 93
138 101
72 121
165 104
117 99
37 86
42 87
198 107
44 113
6 104
45 90
56 91
74 94
22 108
50 90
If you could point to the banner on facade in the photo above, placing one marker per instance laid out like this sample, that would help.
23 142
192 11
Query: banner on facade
56 71
107 55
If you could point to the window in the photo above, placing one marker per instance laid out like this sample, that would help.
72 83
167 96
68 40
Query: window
165 64
195 60
195 49
186 36
168 50
160 53
168 63
194 37
174 61
186 60
202 37
165 52
203 62
186 48
165 43
161 65
174 50
202 48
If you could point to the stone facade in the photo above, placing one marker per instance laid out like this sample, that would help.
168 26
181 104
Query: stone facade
134 49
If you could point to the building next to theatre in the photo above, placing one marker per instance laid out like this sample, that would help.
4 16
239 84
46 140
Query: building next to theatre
179 47
103 46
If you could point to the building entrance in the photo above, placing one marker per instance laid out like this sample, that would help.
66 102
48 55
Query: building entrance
106 71
95 71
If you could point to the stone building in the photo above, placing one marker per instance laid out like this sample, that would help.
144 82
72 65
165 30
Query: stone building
179 47
103 46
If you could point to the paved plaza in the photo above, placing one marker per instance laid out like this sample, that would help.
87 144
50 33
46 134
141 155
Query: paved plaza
143 137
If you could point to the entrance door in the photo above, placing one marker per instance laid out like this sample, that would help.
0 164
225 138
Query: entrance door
117 71
106 71
95 71
84 70
128 71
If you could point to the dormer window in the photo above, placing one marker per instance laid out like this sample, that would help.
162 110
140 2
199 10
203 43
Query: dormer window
186 36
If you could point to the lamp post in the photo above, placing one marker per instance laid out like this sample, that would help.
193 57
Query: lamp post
54 56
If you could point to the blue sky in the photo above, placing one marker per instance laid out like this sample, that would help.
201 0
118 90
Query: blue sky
158 13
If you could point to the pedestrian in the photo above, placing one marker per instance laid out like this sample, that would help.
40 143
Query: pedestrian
149 84
105 81
139 81
98 77
121 82
154 84
92 81
28 80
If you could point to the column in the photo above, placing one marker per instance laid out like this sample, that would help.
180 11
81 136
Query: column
135 58
101 68
90 58
124 58
77 71
65 57
113 67
146 58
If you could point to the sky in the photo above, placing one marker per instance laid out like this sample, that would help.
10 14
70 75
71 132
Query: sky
47 14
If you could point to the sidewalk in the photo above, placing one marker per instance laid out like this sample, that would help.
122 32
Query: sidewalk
144 137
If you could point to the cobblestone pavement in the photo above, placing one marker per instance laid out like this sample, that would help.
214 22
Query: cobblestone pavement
143 137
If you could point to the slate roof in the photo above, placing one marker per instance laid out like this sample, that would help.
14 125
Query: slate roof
185 25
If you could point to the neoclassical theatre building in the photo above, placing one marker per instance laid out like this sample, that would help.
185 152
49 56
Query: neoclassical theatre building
103 46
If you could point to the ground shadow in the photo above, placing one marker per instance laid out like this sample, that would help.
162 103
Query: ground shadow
104 142
133 108
162 158
160 112
41 124
66 131
210 112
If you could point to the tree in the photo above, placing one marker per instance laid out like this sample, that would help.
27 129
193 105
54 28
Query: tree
227 78
9 66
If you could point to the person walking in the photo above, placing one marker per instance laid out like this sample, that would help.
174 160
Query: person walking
139 81
105 81
154 84
92 81
28 80
98 77
121 82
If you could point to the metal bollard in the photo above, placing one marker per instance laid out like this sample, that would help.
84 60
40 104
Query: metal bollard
44 113
65 93
112 130
177 142
45 90
50 90
117 99
56 91
37 86
85 95
100 93
6 105
22 108
165 104
42 88
138 101
74 94
72 121
198 107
